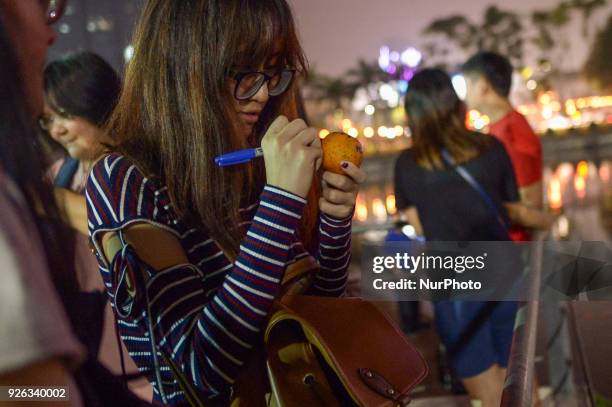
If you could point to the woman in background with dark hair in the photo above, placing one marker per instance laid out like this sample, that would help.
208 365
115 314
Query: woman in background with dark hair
81 91
37 343
436 118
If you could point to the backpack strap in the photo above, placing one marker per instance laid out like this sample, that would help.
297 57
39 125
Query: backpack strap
66 173
467 176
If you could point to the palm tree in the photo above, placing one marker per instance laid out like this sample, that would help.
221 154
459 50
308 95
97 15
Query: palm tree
547 21
458 29
322 88
365 74
587 8
455 31
556 18
500 31
336 91
598 67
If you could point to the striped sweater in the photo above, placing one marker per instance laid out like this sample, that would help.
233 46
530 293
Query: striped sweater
208 314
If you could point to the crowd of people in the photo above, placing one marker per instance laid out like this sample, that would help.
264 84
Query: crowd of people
499 199
188 257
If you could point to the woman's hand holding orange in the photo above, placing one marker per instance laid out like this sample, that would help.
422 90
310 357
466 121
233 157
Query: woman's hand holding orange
339 192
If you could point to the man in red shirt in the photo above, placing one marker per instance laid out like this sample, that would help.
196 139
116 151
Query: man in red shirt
488 78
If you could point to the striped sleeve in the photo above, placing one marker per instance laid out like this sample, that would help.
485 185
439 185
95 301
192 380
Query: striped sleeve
118 194
334 256
233 320
209 338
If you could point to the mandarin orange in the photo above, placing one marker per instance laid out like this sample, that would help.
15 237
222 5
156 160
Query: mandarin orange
338 147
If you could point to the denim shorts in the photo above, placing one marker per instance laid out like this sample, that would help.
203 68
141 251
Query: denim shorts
477 335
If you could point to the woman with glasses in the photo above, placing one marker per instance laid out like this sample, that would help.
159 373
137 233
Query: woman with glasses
193 254
81 91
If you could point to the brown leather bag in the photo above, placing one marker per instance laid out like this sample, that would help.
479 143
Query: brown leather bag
321 351
339 348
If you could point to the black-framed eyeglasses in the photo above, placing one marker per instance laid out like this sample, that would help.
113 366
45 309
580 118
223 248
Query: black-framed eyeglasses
249 83
54 10
46 122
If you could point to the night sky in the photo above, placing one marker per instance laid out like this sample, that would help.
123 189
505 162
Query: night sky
335 33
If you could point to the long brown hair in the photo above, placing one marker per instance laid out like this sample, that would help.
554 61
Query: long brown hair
436 117
22 159
175 113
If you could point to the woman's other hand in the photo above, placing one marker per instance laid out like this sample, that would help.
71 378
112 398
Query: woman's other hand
339 192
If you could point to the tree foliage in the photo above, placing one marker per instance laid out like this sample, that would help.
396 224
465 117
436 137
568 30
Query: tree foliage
598 67
365 73
505 31
500 31
323 88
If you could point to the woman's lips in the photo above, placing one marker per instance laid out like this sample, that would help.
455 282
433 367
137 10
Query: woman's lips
250 118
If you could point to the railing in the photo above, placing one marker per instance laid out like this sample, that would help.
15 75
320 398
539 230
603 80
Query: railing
518 388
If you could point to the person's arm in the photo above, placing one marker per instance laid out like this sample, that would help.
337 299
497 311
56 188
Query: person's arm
216 333
526 153
411 215
336 205
529 217
531 195
521 210
155 246
406 209
38 345
74 209
46 373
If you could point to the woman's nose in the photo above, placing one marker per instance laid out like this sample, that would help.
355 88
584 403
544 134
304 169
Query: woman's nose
262 95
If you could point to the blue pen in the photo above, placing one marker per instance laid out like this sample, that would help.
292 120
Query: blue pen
238 157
